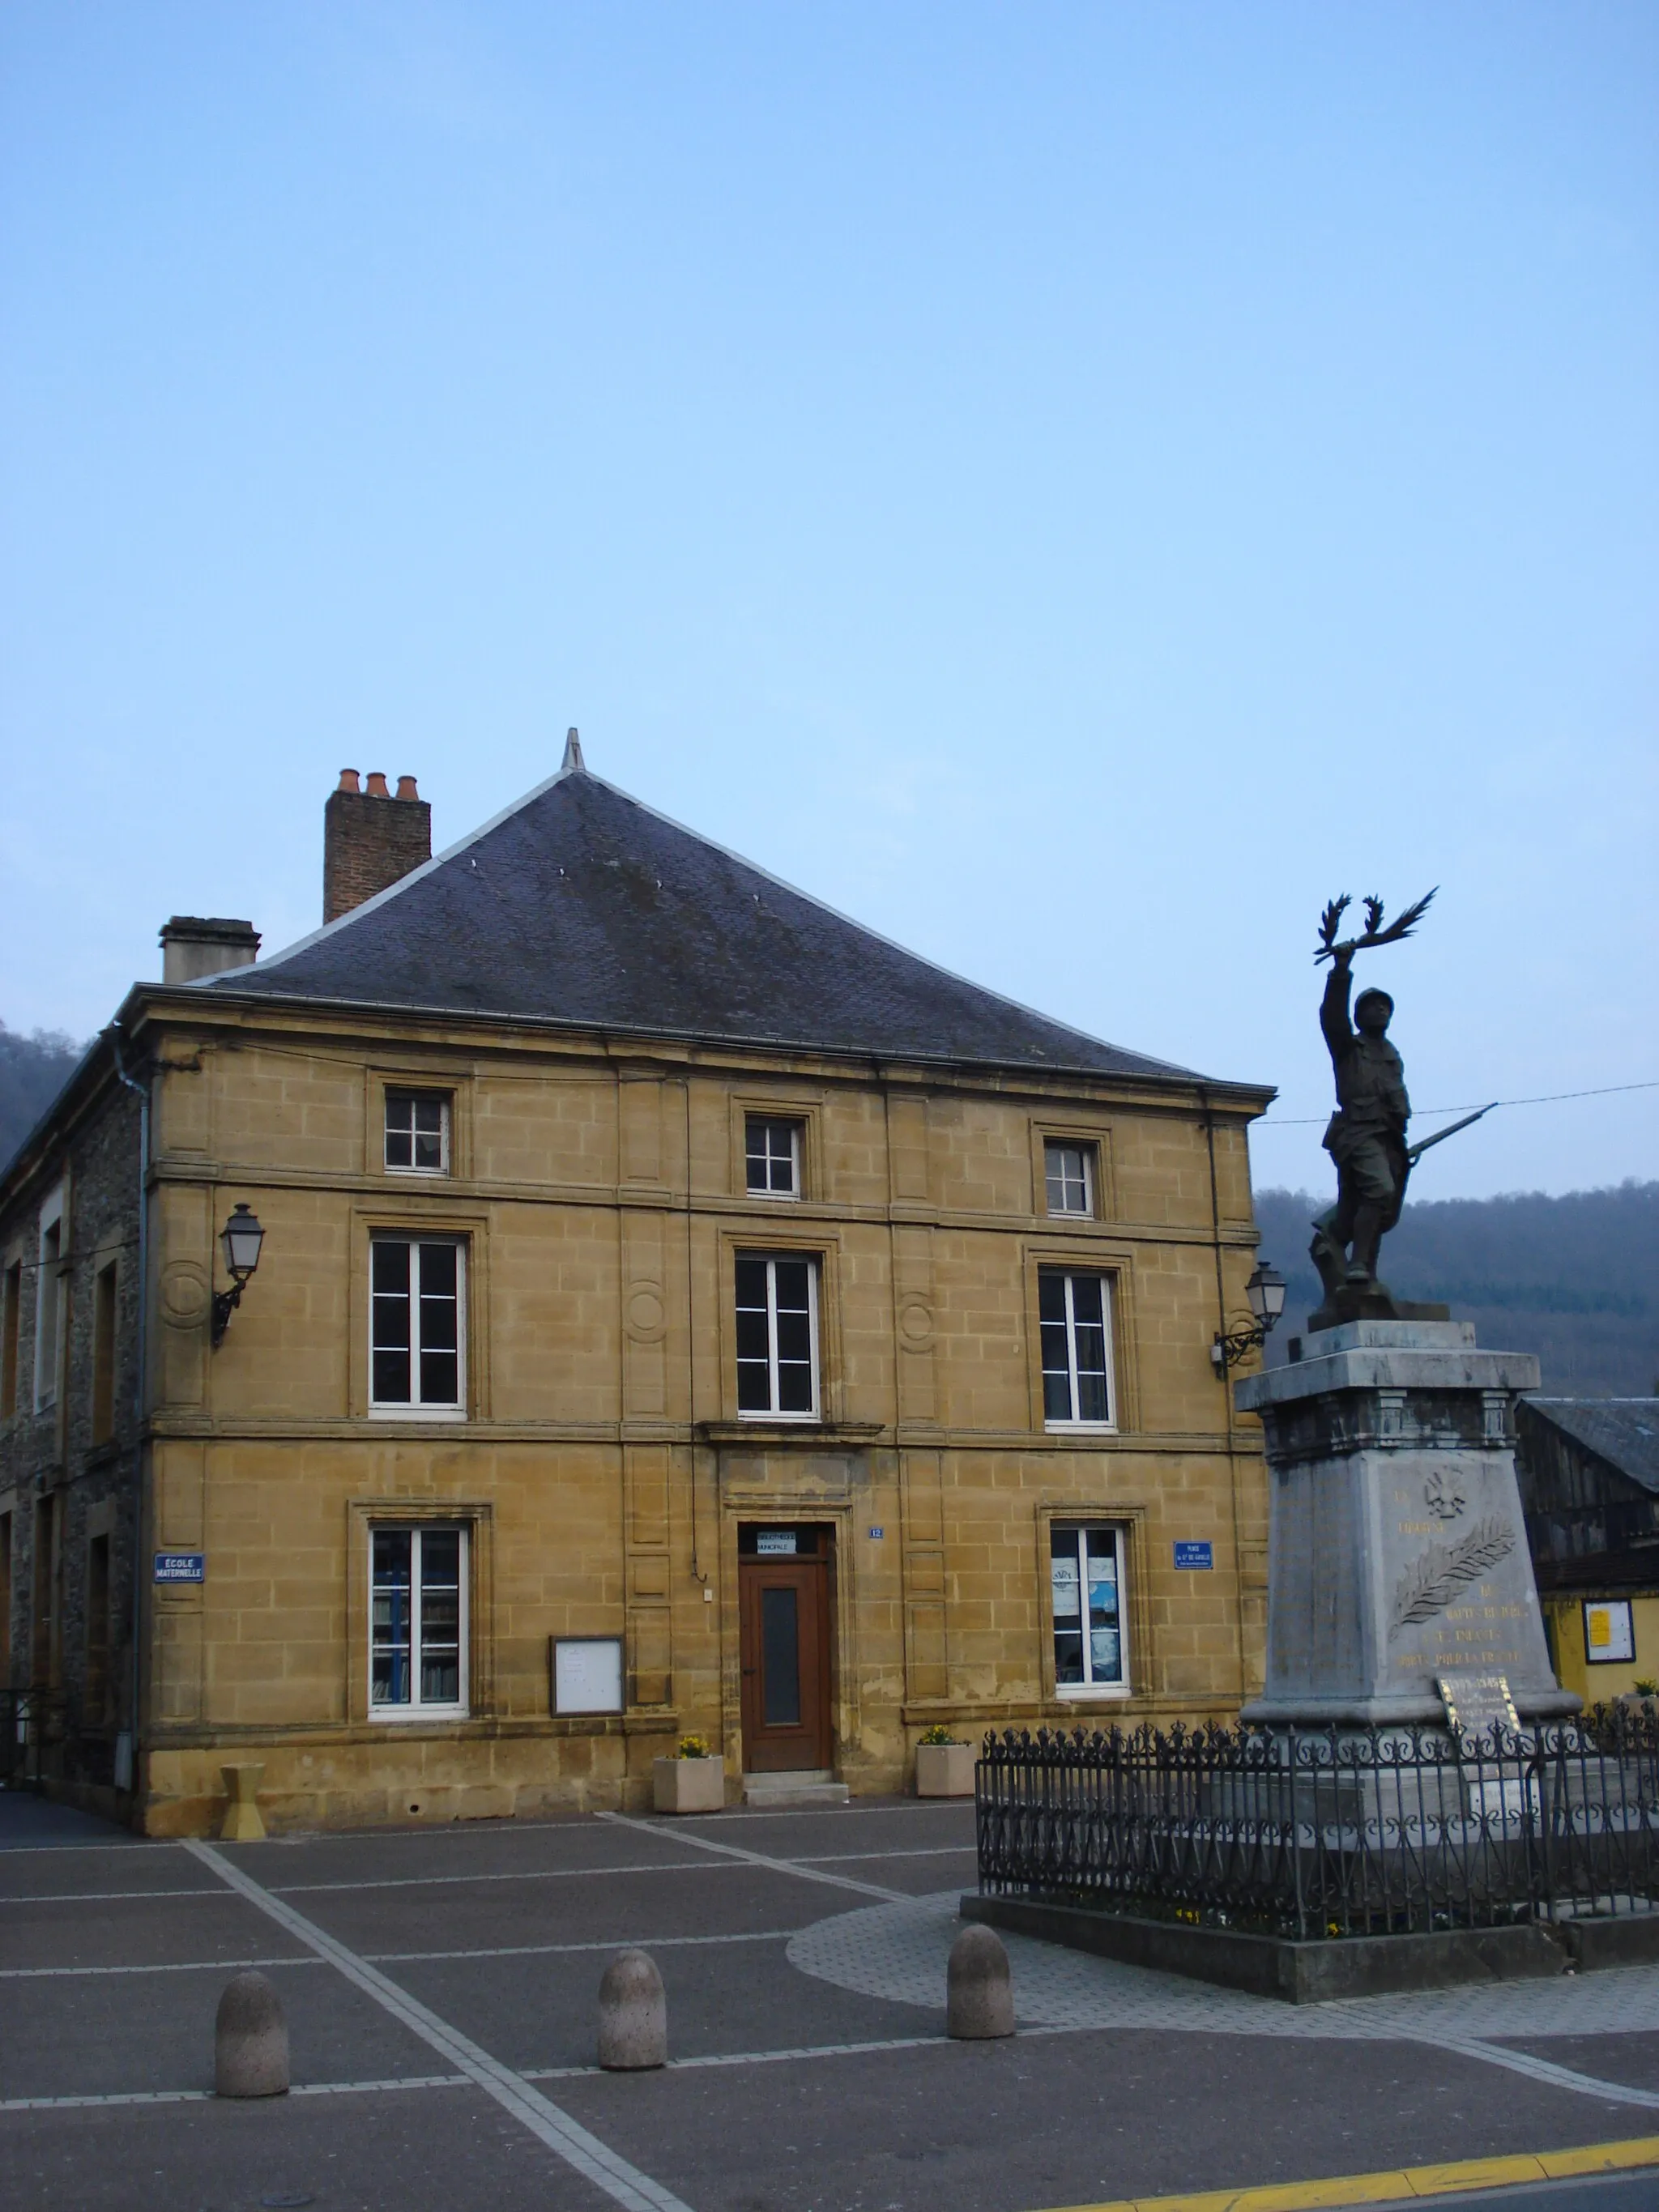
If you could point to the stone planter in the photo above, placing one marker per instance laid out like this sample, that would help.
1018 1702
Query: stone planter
689 1785
946 1769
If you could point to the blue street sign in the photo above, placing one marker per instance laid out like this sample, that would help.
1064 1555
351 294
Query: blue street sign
181 1566
878 1534
1194 1554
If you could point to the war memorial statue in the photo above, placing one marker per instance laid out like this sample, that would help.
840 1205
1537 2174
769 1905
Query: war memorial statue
1366 1135
1397 1554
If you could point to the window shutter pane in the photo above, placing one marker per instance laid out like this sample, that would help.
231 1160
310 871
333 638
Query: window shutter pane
440 1616
1051 1295
795 1388
392 1375
752 1284
792 1295
390 1629
754 1387
391 1268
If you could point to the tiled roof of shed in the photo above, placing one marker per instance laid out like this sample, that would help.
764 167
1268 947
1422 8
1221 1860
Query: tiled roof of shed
581 905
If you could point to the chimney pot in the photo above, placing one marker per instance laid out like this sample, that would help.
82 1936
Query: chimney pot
195 945
367 847
348 779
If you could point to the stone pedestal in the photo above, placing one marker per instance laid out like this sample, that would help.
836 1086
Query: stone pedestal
1397 1550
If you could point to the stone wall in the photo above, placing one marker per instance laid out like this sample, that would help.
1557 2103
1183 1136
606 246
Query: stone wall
64 1468
602 1470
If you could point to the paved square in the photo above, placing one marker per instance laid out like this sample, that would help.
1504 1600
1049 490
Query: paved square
441 1987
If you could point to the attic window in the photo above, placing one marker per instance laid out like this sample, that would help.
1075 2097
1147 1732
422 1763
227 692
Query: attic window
772 1151
417 1133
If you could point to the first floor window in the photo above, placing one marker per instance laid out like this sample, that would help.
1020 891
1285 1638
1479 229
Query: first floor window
1086 1567
414 1339
417 1632
1075 1314
777 1336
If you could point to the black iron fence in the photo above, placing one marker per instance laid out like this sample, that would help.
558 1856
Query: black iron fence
1329 1831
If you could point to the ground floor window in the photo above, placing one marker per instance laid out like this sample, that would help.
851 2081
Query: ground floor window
1090 1649
417 1621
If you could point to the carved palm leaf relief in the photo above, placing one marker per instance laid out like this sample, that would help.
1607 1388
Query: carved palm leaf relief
1431 1584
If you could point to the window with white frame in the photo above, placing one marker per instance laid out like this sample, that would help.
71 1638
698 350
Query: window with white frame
417 1132
772 1154
1075 1314
1069 1172
417 1334
49 1303
417 1621
1086 1568
777 1336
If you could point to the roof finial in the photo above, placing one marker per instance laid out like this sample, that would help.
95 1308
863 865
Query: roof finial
573 753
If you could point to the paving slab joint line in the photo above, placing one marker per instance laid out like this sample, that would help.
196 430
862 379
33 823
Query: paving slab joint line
1403 2185
595 2160
764 1859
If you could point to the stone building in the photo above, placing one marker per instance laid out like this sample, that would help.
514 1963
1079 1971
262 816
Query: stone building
679 1309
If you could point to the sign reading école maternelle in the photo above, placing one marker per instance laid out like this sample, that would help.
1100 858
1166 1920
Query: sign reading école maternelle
181 1566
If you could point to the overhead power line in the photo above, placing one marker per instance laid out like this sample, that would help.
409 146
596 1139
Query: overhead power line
1545 1098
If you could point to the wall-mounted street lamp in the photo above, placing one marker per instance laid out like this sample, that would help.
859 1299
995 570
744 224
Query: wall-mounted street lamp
240 1240
1265 1292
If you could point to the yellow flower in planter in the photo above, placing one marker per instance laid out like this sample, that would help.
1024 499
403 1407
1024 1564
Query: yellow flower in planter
692 1747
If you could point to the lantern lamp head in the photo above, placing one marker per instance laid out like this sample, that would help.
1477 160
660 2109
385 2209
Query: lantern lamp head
1265 1292
240 1240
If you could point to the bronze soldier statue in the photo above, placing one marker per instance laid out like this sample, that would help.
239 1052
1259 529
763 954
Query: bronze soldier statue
1366 1136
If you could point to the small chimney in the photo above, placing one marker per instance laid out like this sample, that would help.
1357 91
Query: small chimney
194 945
370 839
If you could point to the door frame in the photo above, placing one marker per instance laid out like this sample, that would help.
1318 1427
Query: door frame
808 1744
831 1522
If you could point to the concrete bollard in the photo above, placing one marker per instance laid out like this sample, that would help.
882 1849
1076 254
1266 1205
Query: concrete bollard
250 2040
633 2014
979 1995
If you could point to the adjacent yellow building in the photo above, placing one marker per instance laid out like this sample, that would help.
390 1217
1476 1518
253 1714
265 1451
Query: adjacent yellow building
678 1309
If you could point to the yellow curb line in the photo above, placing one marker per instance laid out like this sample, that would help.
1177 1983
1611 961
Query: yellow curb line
1402 2182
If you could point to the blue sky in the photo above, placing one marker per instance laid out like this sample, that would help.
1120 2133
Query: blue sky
1075 487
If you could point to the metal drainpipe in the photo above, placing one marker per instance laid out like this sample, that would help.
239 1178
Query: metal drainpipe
142 1091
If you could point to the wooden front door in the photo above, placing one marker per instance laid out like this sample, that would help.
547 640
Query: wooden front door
783 1617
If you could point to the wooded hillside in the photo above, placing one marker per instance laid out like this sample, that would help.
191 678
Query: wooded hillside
1575 1278
33 1071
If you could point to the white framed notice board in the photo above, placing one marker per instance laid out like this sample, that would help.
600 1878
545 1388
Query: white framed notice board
587 1675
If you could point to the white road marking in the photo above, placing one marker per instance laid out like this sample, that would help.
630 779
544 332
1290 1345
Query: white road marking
619 1943
458 1881
801 1872
110 1896
206 2096
1541 2069
167 1967
626 2184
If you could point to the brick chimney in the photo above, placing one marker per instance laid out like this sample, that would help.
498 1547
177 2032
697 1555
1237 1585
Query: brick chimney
370 839
194 945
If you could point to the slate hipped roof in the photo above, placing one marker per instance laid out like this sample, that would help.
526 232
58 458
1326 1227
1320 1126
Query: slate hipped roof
579 905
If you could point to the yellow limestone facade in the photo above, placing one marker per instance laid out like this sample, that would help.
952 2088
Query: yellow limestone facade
599 1466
